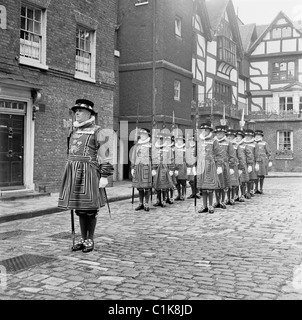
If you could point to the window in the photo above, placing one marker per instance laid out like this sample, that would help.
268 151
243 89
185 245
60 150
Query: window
226 50
283 71
300 107
285 140
32 36
286 104
178 26
281 32
177 90
85 54
223 92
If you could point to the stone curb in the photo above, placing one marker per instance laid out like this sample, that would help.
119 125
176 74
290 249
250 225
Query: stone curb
51 210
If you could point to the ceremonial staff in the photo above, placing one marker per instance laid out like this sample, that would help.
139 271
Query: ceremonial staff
196 138
135 139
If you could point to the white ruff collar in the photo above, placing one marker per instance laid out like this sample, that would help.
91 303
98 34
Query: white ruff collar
258 140
180 146
241 141
219 140
206 137
140 141
77 124
250 141
158 145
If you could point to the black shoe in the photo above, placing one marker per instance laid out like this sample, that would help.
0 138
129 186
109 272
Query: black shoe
197 196
257 192
88 245
202 210
191 196
163 204
232 202
211 210
228 202
248 196
217 205
260 191
157 204
241 199
78 246
237 199
140 207
170 201
178 198
146 207
222 205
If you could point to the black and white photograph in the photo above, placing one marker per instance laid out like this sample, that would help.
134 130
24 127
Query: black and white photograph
150 153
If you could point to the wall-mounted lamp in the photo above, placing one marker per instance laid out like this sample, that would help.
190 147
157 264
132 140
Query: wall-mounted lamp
36 95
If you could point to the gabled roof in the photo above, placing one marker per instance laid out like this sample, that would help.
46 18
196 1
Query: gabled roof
263 30
290 87
248 35
216 10
201 9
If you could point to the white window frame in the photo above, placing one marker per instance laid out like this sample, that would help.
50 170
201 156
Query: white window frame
178 26
177 86
41 63
291 139
82 75
287 103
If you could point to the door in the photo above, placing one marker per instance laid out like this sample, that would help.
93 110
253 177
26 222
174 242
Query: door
11 150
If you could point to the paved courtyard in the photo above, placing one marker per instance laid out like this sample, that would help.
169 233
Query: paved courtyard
252 250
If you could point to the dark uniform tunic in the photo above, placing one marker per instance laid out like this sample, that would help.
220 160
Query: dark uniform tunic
163 163
141 163
229 161
80 186
209 156
264 157
242 157
235 176
251 157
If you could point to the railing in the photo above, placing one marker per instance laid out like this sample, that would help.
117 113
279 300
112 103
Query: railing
274 115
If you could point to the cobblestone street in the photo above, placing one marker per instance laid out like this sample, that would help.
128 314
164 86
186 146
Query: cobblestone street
252 250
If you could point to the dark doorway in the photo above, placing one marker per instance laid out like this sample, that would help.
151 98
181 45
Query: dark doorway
11 150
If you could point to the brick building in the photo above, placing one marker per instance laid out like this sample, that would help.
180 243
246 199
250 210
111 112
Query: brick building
274 52
52 53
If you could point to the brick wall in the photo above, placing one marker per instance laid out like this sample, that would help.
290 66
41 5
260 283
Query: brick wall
59 87
270 135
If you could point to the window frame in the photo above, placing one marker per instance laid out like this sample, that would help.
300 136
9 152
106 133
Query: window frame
177 90
81 74
288 106
178 27
222 91
277 70
41 63
290 137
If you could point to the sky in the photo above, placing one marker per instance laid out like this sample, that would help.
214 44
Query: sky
265 11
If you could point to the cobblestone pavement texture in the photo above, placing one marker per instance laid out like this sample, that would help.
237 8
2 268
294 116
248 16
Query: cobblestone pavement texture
251 251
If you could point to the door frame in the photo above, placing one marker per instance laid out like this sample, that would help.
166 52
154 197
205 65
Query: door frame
23 94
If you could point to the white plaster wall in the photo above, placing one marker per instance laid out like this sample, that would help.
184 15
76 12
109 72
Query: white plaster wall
262 66
296 34
209 85
234 75
194 68
269 104
289 45
200 71
212 47
260 49
211 65
241 86
259 83
200 93
201 45
273 46
280 85
300 44
258 102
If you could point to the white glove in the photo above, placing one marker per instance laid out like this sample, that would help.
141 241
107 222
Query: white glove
219 170
103 182
249 169
194 171
189 171
270 164
176 172
231 171
132 172
171 173
153 172
240 172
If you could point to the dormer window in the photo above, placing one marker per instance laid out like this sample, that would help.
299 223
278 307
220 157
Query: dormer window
281 32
